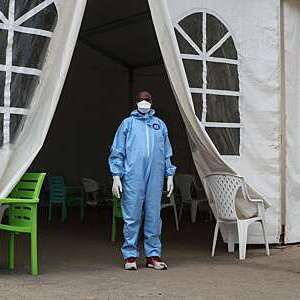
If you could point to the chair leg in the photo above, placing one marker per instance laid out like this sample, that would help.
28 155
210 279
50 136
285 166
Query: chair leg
181 210
82 212
11 252
242 232
215 239
194 209
63 212
34 257
230 239
176 217
113 229
263 225
50 213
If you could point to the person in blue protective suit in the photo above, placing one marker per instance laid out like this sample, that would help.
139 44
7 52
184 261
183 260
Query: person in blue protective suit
139 161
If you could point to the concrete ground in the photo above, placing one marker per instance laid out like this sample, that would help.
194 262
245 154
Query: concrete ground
77 261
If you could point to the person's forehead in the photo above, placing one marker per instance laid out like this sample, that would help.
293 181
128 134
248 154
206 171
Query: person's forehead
145 94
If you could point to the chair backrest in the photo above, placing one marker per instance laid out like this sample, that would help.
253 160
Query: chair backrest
57 189
224 189
29 187
184 184
89 185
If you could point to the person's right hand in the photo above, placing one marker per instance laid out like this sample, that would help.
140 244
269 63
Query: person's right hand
117 186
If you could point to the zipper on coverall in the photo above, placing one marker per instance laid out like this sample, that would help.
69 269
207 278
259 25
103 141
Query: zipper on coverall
147 139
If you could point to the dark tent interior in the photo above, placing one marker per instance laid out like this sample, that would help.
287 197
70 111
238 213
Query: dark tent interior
117 55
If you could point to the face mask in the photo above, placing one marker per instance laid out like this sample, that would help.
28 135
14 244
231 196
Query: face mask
144 106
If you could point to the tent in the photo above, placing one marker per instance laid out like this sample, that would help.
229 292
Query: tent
232 66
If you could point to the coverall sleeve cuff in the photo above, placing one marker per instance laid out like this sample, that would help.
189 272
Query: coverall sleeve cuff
170 172
117 174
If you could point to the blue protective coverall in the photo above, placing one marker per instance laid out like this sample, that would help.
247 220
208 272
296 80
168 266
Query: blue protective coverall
140 155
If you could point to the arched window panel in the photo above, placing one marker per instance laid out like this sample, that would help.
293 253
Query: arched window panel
1 128
211 64
226 140
24 6
192 26
184 46
227 50
3 44
46 19
2 85
198 105
194 69
29 50
215 31
222 108
22 56
19 98
4 5
222 76
15 126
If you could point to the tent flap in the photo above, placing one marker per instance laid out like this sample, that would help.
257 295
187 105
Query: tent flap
249 125
35 53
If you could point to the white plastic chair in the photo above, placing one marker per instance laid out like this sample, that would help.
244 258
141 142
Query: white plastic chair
90 187
184 183
171 203
224 189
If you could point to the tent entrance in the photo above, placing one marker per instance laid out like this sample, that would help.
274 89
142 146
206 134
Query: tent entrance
111 63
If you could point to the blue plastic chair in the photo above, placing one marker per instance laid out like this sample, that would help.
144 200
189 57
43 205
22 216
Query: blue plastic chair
59 194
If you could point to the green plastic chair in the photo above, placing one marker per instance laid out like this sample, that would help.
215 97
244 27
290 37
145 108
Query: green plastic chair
117 214
64 196
22 215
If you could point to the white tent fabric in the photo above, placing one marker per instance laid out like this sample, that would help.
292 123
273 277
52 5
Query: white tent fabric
255 29
291 12
259 57
15 158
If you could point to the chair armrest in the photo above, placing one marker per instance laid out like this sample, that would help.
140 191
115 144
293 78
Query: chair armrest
260 206
256 200
15 201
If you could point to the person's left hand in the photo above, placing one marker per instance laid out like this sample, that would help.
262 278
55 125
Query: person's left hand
170 186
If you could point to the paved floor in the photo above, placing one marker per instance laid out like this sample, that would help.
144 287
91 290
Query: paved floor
77 261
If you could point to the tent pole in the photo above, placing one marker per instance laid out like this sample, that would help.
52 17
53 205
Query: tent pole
283 128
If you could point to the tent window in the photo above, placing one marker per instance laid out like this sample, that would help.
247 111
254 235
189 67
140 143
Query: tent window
2 84
211 64
197 100
23 48
226 140
1 128
193 67
3 43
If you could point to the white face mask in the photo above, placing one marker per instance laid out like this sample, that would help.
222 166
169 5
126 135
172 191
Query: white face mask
144 106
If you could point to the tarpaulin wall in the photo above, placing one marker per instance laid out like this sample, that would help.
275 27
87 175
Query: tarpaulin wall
291 97
254 29
37 42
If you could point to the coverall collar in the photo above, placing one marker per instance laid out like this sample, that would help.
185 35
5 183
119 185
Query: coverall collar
146 116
